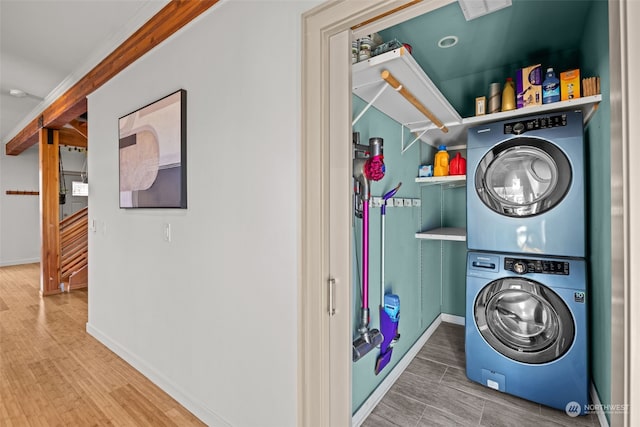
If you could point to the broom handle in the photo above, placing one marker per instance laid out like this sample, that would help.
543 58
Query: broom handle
382 257
383 214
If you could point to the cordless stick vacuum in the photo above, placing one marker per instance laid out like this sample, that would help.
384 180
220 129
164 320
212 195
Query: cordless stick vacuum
389 303
367 167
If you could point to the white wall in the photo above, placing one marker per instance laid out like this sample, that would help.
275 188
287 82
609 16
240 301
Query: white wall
19 215
210 316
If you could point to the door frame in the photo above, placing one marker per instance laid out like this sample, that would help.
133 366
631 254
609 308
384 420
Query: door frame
624 34
324 383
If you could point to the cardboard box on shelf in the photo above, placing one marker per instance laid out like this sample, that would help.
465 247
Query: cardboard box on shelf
481 105
529 86
570 84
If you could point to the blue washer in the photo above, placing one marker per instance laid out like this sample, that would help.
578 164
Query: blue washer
526 327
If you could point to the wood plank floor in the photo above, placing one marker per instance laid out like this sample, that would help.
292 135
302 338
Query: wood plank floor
434 391
52 373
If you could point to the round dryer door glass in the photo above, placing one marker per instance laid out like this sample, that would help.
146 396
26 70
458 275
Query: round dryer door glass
523 177
524 320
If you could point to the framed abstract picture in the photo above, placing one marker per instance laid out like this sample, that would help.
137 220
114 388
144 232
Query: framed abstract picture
153 169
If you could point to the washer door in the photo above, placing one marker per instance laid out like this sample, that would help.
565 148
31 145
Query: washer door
523 177
524 320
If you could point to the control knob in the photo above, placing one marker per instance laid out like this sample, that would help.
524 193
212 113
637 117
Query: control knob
519 267
518 128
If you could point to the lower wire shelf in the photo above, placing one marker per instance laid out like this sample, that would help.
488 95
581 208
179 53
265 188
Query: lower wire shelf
444 233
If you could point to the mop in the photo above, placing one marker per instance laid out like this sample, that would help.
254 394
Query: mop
364 170
389 303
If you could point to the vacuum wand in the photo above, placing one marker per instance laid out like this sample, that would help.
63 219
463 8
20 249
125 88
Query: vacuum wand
366 168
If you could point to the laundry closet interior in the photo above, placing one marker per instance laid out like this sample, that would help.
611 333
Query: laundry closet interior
424 249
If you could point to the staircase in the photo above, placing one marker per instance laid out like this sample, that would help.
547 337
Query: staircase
74 232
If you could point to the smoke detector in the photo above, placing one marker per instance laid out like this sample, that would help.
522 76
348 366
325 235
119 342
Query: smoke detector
19 93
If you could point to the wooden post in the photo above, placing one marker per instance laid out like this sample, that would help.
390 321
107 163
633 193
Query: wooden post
49 211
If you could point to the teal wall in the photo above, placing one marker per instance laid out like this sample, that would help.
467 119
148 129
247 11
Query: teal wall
443 262
402 252
428 276
595 62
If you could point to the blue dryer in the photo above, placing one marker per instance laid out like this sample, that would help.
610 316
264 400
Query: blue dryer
526 327
525 186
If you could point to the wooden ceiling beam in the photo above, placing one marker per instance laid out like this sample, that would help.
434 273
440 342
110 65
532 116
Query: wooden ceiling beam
71 138
80 127
73 103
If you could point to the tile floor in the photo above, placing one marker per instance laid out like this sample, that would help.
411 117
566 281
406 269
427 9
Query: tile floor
434 391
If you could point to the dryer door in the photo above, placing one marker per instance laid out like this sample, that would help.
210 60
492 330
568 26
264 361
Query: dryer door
524 320
523 177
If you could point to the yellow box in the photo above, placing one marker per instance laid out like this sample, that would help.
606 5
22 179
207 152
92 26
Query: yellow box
570 84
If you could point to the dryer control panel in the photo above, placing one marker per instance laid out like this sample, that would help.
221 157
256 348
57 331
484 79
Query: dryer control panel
518 128
523 266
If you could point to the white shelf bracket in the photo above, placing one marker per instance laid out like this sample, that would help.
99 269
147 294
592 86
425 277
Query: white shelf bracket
366 108
412 142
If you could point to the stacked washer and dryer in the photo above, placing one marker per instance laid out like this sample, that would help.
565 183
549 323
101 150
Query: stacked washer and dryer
526 307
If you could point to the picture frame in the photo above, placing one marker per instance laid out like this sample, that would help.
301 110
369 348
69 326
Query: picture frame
153 156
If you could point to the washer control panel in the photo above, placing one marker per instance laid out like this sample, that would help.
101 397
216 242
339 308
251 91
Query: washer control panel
548 122
523 266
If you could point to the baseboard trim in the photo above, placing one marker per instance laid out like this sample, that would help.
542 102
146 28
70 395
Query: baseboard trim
367 407
452 318
19 262
193 405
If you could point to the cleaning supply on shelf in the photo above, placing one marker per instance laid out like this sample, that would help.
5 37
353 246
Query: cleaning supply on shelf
355 50
441 162
458 165
509 95
365 45
425 171
494 98
529 86
550 87
570 85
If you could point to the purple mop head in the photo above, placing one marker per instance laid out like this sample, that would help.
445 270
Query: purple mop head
389 330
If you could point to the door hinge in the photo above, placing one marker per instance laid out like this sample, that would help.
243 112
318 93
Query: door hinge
332 284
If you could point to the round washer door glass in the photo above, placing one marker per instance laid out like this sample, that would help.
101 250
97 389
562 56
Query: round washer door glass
524 320
523 177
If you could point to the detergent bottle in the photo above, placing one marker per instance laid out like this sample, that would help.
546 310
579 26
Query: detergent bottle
458 165
550 87
441 162
509 95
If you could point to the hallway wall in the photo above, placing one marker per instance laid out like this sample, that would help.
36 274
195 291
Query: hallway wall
211 316
19 245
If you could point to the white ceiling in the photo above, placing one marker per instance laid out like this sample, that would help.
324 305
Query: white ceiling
46 46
